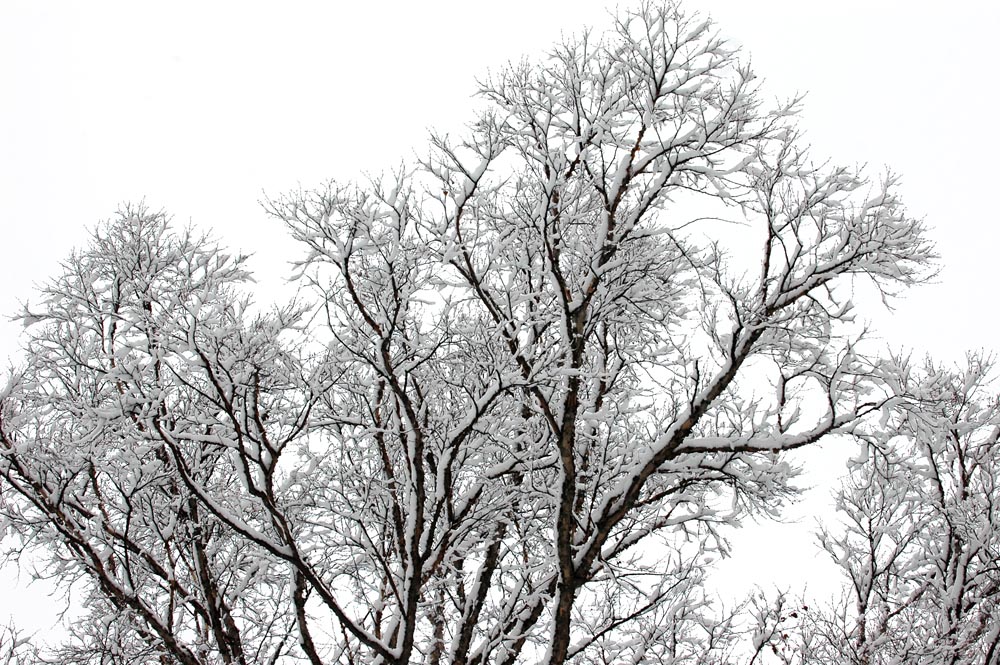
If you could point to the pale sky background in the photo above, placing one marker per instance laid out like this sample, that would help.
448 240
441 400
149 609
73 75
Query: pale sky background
201 108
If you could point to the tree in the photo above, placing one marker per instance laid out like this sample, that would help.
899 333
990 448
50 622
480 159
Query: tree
14 647
921 533
527 393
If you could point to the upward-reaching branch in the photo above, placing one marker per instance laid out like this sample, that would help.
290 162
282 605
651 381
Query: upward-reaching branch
529 393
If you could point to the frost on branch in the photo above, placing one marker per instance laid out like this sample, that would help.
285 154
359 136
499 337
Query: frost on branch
920 539
142 408
528 396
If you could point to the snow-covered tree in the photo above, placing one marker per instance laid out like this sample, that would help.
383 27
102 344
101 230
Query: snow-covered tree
920 538
529 387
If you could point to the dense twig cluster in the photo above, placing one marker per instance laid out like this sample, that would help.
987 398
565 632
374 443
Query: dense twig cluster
508 426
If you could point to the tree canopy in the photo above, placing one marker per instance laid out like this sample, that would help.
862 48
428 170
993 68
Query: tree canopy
526 386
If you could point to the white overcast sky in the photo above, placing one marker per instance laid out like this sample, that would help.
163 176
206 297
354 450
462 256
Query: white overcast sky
200 108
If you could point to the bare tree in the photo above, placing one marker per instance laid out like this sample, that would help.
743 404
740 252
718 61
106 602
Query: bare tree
528 393
141 371
920 540
15 648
